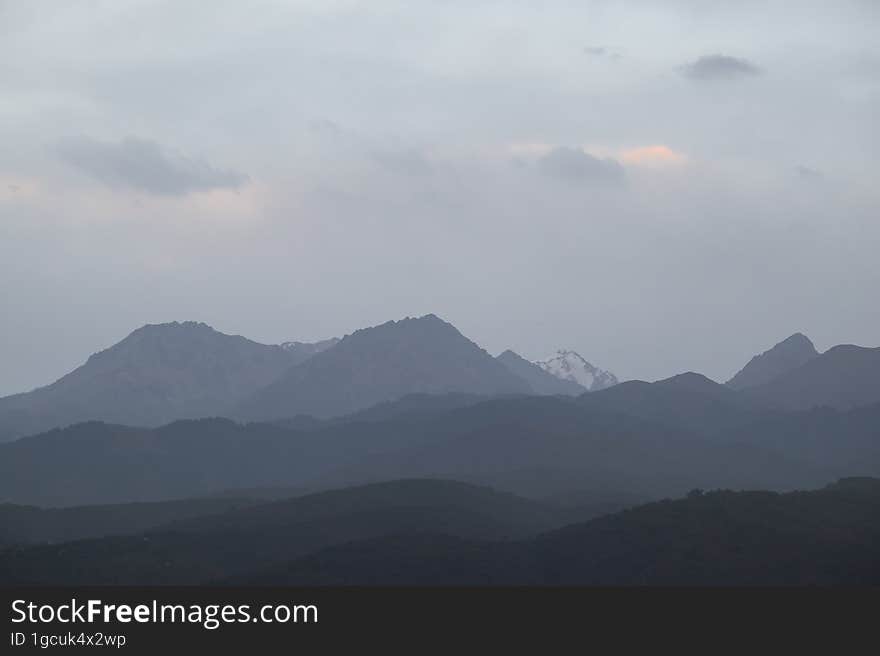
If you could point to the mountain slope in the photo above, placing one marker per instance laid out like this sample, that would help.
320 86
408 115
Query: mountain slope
571 366
97 463
847 441
29 524
500 442
187 551
843 377
541 381
726 538
447 533
823 537
383 363
787 355
157 374
688 401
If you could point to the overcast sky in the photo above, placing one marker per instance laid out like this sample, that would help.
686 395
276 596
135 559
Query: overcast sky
661 186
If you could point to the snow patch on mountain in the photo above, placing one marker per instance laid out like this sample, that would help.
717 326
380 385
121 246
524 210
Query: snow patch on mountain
570 365
311 348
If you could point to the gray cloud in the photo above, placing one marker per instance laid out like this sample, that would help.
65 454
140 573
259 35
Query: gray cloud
341 97
808 173
574 165
145 166
719 67
326 127
409 161
602 51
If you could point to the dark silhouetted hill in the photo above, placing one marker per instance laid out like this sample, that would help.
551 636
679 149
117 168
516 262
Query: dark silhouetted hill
824 537
241 540
30 524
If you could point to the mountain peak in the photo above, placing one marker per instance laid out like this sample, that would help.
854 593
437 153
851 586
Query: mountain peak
156 374
797 340
175 325
409 324
791 353
570 365
383 363
542 382
844 377
691 381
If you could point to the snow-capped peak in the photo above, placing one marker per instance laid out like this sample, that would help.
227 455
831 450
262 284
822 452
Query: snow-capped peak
309 347
293 346
569 365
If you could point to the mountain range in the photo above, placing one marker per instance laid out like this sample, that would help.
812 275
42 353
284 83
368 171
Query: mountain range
406 454
720 538
166 372
644 440
158 374
439 532
412 356
415 397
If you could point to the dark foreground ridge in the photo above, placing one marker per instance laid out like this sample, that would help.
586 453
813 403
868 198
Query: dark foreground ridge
447 533
823 537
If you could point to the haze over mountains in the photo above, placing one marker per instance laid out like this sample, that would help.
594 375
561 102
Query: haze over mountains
648 231
436 532
157 374
146 485
825 536
383 363
642 440
165 372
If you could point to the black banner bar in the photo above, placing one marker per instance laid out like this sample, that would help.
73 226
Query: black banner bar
174 620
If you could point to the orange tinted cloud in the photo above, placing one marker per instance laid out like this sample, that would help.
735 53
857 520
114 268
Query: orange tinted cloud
658 155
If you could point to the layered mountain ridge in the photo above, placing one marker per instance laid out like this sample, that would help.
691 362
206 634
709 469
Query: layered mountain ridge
166 372
182 370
